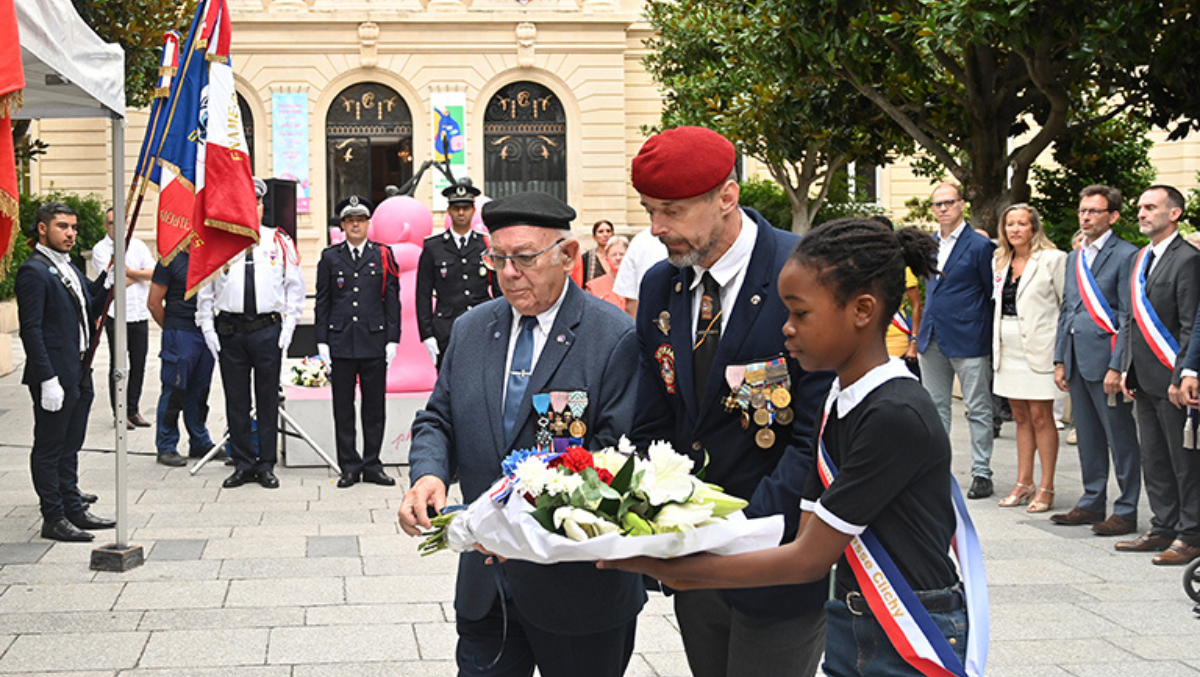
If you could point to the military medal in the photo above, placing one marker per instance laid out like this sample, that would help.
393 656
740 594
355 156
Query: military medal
784 416
664 323
541 404
780 397
578 429
762 417
758 399
665 355
765 438
577 400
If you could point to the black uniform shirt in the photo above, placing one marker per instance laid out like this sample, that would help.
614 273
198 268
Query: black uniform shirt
180 312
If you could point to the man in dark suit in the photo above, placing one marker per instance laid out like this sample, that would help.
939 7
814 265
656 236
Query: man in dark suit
955 337
57 314
709 324
450 270
358 328
1164 310
1087 364
546 337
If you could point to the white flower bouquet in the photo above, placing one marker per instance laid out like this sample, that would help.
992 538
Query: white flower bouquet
311 373
612 504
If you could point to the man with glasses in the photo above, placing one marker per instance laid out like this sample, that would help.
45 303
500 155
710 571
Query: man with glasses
515 370
358 328
451 278
1087 364
955 337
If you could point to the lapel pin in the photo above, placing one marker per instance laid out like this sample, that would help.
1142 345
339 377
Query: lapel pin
678 287
755 300
496 335
664 322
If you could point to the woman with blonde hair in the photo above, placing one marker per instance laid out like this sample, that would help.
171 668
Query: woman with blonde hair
1029 273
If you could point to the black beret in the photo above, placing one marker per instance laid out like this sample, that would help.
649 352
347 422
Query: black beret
528 209
354 205
462 192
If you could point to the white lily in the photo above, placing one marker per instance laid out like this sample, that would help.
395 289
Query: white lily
610 459
625 446
668 477
723 504
683 516
580 525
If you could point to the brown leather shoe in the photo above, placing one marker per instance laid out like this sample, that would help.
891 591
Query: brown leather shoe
1115 525
138 421
1077 516
1147 542
1178 553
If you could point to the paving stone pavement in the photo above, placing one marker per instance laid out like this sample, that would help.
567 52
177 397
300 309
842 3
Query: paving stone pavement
314 581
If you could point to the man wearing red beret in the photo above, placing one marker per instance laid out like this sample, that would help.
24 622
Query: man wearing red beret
716 382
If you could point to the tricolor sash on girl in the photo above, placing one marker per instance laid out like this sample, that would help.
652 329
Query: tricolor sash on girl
901 321
1161 342
896 606
1093 299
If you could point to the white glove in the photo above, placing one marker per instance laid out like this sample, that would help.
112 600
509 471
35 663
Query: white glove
52 394
285 335
323 351
432 347
389 353
213 343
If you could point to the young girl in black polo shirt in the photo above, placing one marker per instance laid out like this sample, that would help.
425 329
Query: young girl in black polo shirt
882 434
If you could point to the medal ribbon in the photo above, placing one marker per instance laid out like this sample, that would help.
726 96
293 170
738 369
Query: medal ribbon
898 609
1097 306
1162 343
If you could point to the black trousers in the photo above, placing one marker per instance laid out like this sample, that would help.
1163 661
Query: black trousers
57 437
257 352
371 377
1170 472
137 340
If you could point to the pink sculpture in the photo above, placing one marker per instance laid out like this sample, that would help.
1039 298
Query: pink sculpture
403 223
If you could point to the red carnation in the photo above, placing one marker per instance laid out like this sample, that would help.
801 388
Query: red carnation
576 459
605 476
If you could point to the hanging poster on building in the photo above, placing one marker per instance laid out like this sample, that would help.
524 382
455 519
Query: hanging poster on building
289 143
449 139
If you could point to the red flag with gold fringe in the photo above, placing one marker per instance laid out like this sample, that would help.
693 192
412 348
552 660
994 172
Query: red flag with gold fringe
12 81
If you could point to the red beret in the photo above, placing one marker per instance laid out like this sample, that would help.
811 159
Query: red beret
682 162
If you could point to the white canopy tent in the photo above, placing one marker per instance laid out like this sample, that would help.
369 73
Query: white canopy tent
71 73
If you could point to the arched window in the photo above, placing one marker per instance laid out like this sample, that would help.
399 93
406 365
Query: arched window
368 136
525 142
247 126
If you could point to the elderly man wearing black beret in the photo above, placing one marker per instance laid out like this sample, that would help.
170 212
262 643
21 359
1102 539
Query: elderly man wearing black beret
545 341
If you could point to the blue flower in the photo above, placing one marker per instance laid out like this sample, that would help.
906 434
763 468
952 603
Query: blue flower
509 466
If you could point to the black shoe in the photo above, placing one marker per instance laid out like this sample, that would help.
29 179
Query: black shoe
63 530
268 479
981 487
172 459
238 478
348 479
86 520
88 498
378 477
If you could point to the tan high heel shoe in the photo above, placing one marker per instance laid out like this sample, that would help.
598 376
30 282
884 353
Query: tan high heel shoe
1020 496
1041 506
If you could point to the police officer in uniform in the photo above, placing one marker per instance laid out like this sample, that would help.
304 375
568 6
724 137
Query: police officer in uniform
451 270
248 314
358 329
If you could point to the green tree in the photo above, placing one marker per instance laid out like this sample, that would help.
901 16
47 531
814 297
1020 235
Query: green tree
1115 153
986 86
90 209
721 66
138 27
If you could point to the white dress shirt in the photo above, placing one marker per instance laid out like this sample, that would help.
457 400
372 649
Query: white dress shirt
946 245
1091 251
62 261
545 322
137 257
278 283
729 271
1158 250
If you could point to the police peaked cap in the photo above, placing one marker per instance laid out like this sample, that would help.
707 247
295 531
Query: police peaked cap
462 192
354 206
528 209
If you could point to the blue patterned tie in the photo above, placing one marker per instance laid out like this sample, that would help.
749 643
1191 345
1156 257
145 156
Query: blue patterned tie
518 373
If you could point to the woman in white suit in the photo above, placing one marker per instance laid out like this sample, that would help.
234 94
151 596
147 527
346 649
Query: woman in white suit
1029 274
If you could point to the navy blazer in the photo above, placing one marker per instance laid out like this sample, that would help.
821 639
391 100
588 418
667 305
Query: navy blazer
1080 342
771 479
460 433
958 302
50 323
1173 289
358 304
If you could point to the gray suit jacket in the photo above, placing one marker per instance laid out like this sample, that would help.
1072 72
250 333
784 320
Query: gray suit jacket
1081 344
1173 289
591 347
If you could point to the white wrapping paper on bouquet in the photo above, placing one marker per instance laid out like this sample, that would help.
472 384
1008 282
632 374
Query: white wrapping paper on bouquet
509 531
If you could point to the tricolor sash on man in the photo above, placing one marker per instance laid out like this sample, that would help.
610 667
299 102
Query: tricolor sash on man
12 81
896 606
1161 342
1093 299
